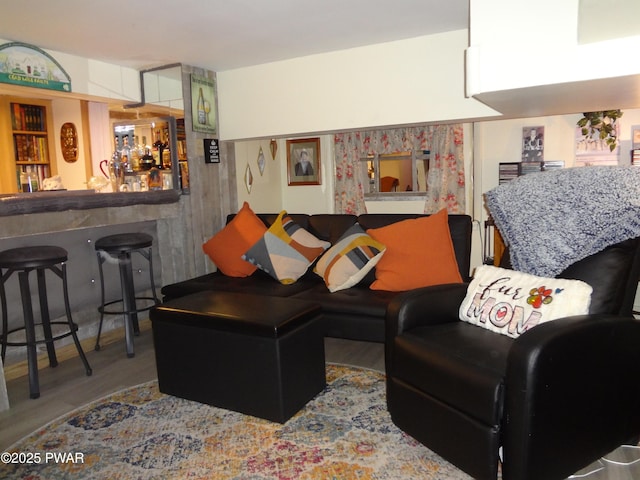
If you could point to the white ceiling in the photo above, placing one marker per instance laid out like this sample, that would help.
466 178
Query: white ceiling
220 34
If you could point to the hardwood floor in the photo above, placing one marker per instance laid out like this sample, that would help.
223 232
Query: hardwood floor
66 387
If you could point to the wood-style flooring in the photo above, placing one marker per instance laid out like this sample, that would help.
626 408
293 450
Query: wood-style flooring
66 387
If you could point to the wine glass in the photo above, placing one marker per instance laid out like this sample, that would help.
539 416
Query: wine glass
207 109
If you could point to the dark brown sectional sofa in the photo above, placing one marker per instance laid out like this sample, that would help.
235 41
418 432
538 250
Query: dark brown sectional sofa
356 313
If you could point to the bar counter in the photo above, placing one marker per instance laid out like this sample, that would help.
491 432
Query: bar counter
75 220
58 201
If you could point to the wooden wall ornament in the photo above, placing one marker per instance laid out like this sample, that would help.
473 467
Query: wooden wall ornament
69 142
273 147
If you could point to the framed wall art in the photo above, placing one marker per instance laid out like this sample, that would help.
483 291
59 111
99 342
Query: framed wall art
203 104
635 137
303 161
533 144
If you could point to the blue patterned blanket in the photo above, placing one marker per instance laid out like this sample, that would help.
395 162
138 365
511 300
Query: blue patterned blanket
550 220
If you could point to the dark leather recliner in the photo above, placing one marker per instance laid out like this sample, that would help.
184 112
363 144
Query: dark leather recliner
551 401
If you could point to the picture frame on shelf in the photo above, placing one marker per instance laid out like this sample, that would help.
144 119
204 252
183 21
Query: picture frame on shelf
303 162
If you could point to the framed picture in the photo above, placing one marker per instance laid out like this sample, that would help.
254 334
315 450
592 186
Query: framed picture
635 137
303 161
533 144
203 104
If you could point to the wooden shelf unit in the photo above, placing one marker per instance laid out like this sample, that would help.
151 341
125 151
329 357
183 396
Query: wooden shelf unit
26 140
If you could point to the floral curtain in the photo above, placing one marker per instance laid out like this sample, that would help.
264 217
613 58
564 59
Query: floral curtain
445 181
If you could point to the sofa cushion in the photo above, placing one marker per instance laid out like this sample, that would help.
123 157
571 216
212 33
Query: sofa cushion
258 283
611 293
357 300
460 228
286 250
419 253
510 302
329 226
226 247
349 260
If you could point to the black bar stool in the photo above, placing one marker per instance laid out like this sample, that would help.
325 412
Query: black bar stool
23 260
118 249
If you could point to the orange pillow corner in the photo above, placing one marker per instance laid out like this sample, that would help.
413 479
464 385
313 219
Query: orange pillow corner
226 247
419 253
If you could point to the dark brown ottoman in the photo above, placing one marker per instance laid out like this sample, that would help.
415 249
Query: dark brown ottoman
258 355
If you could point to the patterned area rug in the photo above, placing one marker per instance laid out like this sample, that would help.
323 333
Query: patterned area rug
344 433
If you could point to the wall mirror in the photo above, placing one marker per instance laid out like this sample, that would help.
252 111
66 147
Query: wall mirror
161 103
395 173
149 144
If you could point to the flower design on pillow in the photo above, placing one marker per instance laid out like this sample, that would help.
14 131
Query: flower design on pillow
539 296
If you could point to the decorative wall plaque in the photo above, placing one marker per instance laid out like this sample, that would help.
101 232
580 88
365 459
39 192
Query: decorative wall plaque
69 142
261 161
29 66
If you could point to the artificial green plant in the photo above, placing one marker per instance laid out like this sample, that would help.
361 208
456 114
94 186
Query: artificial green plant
601 125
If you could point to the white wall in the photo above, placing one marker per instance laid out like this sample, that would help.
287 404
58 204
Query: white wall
266 192
411 81
74 175
500 141
96 78
270 192
101 138
522 44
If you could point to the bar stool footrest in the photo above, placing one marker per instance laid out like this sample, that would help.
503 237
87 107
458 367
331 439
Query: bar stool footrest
40 341
104 311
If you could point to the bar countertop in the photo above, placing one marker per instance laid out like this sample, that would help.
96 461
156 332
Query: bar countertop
58 201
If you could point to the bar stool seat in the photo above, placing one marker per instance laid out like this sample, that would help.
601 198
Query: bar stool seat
119 248
23 260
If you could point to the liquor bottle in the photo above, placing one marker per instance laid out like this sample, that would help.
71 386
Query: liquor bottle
24 182
125 156
32 180
136 153
202 114
147 161
159 148
155 179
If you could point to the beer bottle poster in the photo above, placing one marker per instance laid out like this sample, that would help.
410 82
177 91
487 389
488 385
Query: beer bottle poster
203 104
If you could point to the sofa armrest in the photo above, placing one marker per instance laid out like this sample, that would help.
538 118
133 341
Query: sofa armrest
571 394
424 306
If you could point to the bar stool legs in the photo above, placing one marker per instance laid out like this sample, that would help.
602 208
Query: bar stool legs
30 334
120 247
23 261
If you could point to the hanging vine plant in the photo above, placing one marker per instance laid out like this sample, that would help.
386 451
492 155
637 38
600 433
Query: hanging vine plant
601 126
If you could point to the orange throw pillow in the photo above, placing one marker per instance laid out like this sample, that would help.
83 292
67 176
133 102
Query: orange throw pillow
226 247
419 253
